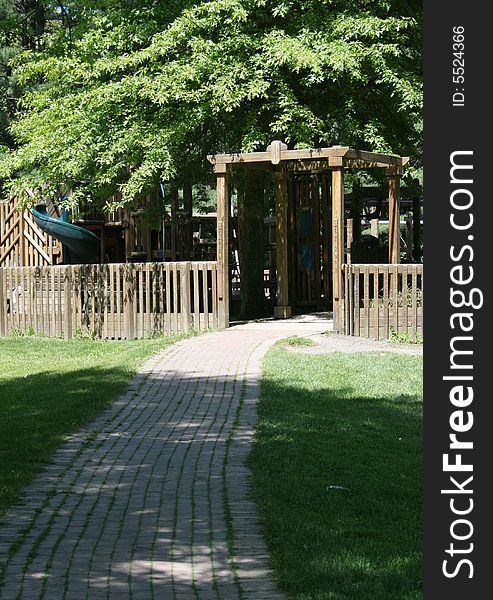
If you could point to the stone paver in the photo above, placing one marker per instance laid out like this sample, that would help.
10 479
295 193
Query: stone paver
151 501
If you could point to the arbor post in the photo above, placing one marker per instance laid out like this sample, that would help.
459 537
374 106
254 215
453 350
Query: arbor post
282 310
394 174
337 242
222 195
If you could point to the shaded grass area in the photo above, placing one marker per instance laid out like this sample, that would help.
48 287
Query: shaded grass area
50 388
337 472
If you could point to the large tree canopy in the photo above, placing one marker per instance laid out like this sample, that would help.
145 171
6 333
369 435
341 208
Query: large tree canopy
21 24
128 94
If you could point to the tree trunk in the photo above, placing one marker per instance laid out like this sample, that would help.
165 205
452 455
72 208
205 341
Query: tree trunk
33 22
39 19
251 245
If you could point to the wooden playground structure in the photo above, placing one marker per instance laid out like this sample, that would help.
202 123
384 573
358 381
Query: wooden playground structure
311 245
125 234
172 277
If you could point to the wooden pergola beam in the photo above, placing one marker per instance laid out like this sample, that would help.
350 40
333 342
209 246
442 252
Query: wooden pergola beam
259 157
317 165
359 163
277 154
383 160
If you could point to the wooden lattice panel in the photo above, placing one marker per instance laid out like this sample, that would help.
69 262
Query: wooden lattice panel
22 242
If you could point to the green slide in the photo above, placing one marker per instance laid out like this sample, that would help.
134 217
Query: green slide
80 245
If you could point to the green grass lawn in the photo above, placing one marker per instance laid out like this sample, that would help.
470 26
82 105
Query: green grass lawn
337 473
50 388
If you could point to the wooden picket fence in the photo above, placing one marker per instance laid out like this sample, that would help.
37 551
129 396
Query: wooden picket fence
110 301
381 299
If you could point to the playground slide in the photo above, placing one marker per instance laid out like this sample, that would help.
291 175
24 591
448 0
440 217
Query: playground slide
80 245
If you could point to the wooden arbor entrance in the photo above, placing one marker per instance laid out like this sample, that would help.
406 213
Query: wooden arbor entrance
308 213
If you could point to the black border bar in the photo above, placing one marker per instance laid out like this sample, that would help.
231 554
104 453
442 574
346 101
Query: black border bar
458 350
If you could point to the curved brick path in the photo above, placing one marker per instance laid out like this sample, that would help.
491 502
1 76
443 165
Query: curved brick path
151 501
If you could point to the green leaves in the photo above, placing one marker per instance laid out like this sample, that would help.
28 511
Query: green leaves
142 93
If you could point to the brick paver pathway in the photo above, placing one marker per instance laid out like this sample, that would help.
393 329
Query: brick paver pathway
151 501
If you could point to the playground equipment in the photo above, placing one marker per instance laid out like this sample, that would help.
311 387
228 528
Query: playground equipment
313 259
80 245
311 247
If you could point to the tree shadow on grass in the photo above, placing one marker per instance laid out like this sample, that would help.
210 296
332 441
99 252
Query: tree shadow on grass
38 411
125 503
337 478
358 543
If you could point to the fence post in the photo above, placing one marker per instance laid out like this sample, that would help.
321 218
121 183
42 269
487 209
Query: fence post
129 301
67 301
3 306
186 313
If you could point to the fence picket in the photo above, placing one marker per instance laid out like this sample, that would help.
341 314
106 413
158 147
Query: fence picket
118 315
3 305
376 304
357 331
395 297
52 301
414 309
214 299
67 313
141 311
196 301
366 300
404 299
148 293
205 296
167 310
386 307
176 303
185 308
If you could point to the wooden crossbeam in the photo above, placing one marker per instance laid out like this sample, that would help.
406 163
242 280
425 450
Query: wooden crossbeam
34 226
283 155
11 227
277 153
9 247
29 237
